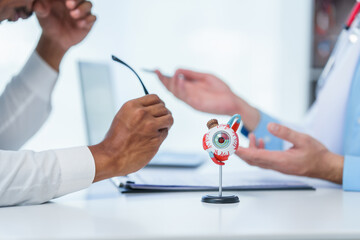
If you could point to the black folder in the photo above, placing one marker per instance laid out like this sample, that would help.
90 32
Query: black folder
132 187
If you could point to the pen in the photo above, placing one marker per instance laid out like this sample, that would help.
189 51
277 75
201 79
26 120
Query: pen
153 71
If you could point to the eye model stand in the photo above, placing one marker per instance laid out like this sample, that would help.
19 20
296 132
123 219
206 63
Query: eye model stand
220 142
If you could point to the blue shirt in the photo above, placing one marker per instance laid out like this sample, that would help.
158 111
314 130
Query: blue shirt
351 172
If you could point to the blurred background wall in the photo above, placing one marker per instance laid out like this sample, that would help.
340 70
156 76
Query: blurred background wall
261 48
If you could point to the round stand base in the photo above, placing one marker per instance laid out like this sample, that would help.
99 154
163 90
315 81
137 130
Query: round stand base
220 200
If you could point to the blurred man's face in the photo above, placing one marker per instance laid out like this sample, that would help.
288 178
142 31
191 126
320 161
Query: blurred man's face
12 10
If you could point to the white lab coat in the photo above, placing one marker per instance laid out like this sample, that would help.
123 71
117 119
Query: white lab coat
326 119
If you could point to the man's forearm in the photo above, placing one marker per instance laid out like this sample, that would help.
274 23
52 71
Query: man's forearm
51 52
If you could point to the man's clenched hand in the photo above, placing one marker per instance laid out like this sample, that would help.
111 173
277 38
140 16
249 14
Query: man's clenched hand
136 133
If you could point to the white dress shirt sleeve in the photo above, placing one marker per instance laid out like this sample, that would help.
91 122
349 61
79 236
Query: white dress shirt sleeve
26 103
28 177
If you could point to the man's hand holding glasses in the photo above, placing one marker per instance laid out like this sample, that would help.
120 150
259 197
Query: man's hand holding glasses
136 133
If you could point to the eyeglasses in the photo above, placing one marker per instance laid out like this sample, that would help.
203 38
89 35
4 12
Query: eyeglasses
126 65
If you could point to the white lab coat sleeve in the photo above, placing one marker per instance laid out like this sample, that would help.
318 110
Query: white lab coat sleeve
25 103
28 177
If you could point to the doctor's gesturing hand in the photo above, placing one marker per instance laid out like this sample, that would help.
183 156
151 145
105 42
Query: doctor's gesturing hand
134 137
207 93
64 24
307 157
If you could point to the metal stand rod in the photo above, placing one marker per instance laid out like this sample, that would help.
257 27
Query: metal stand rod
220 180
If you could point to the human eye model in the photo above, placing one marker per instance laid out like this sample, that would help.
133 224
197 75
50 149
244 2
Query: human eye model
221 141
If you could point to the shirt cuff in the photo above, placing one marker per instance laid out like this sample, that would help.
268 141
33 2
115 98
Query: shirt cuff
271 142
351 173
38 76
77 168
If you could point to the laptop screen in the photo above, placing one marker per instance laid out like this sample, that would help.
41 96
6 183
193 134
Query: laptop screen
98 99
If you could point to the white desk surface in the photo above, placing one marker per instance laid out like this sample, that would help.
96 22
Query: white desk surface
101 212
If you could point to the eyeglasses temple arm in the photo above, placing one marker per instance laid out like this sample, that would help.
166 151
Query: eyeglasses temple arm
123 63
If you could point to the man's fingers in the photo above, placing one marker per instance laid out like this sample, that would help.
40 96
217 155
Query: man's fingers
149 100
72 4
252 140
172 84
261 143
163 134
260 157
286 133
164 122
179 87
158 110
82 11
41 9
163 79
87 23
190 75
255 144
176 84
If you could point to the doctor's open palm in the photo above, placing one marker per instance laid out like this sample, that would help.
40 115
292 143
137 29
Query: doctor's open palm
307 157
